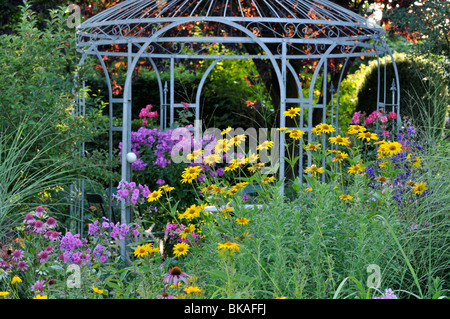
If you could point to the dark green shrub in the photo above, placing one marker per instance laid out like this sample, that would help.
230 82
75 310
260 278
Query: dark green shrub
423 87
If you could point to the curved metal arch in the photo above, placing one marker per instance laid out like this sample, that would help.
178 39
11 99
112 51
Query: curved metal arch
127 89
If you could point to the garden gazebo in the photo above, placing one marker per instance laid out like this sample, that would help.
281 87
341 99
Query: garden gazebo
278 31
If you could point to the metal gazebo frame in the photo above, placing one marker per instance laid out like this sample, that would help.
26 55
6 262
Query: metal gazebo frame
282 30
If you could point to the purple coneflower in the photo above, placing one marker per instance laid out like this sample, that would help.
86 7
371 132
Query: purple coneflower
39 227
43 256
22 265
38 286
28 219
50 249
39 211
165 295
175 275
17 255
51 223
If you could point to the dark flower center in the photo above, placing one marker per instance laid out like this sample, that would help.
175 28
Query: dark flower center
175 271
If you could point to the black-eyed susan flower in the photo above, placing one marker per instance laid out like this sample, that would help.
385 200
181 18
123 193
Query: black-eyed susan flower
155 195
180 249
228 246
295 134
192 289
264 145
308 189
141 251
355 169
282 129
225 131
326 128
314 169
97 291
43 297
419 188
242 221
345 197
3 294
268 179
344 141
381 179
355 129
367 136
292 112
211 159
312 147
339 157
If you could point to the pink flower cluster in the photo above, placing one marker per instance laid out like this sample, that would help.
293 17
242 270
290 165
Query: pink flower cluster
360 118
175 232
146 113
36 224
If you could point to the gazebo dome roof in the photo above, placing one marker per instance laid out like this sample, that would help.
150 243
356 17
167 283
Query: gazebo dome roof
276 18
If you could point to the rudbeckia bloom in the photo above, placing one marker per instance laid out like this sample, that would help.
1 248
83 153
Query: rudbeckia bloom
312 147
314 169
232 247
367 136
141 251
242 221
264 145
225 131
292 112
268 179
3 294
295 134
192 289
340 157
181 249
419 188
326 128
154 196
354 129
96 290
339 140
40 297
345 197
355 169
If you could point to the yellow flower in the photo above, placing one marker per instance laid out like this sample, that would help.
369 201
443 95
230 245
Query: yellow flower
323 128
191 171
281 129
192 212
419 188
242 221
238 139
389 148
167 188
3 294
268 179
96 290
354 129
233 166
181 249
232 247
253 158
16 279
281 298
312 147
355 169
222 146
345 197
255 167
314 169
154 196
192 289
150 248
187 230
292 112
226 210
264 145
381 179
195 154
382 165
225 131
309 189
40 297
340 157
339 140
141 251
367 136
295 134
212 158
